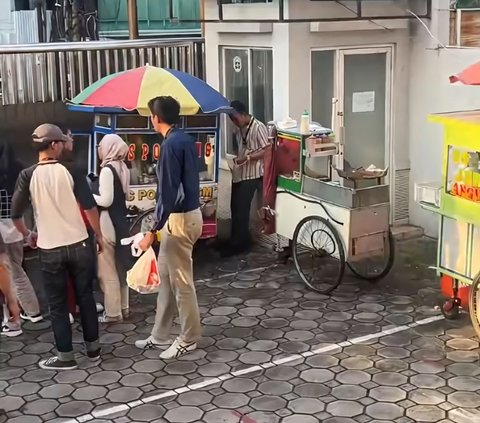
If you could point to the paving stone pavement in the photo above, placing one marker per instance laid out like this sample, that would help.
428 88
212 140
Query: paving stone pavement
244 372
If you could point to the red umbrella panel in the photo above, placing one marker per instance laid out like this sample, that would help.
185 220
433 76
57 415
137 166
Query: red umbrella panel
469 76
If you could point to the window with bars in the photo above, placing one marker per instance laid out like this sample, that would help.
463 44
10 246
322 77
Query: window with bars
465 23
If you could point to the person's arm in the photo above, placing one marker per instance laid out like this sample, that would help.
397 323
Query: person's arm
170 177
105 188
169 174
84 197
20 203
259 145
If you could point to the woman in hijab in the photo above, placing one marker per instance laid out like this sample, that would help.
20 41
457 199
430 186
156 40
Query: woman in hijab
116 259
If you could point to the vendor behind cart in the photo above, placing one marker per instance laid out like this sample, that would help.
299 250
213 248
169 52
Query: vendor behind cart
247 173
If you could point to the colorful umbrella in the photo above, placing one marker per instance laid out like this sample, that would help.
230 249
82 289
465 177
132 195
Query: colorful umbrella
133 89
469 76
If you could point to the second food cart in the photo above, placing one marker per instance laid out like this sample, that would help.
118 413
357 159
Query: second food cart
456 200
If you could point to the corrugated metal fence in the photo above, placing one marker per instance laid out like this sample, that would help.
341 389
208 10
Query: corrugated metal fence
52 72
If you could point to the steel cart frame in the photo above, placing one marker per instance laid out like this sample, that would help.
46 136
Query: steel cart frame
330 220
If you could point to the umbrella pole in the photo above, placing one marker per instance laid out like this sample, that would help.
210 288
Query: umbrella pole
132 19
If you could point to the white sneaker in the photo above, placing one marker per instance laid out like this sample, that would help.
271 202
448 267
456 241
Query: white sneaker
7 330
34 319
177 349
151 342
72 320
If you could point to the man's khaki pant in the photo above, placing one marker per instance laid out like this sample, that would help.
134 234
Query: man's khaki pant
177 290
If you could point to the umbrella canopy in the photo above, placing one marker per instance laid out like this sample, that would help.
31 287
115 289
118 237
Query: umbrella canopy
469 76
133 89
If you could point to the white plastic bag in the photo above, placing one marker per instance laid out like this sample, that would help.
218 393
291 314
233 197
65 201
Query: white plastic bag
143 277
134 241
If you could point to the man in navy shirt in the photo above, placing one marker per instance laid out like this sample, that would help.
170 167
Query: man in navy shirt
179 218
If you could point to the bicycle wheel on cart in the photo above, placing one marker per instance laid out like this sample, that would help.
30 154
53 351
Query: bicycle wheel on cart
374 268
474 304
143 222
318 254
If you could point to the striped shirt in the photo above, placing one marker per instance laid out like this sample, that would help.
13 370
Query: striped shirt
250 139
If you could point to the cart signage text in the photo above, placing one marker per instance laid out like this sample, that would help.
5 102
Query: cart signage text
144 197
463 174
146 151
459 189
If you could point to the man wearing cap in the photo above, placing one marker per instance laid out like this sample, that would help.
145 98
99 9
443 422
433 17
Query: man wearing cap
54 191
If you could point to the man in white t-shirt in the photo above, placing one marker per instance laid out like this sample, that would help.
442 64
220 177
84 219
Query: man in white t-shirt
55 191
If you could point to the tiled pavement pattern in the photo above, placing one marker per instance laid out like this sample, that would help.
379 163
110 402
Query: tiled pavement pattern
429 373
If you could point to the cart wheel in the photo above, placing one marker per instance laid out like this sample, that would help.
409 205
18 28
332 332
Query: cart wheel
474 304
450 308
143 222
318 254
373 269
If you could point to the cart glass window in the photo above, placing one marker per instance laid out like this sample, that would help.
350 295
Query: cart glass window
463 174
132 122
103 120
205 144
145 150
143 154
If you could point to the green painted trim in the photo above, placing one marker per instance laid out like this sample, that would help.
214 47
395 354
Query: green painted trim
460 209
289 184
469 248
454 275
439 244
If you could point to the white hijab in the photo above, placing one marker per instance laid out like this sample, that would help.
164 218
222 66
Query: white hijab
113 151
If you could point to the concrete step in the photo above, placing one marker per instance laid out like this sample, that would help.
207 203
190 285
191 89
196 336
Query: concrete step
404 232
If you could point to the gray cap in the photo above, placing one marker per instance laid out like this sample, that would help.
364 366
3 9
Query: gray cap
48 133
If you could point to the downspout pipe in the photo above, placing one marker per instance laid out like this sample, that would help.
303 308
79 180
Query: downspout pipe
132 19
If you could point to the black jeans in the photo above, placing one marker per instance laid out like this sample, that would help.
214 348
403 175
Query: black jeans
241 202
75 260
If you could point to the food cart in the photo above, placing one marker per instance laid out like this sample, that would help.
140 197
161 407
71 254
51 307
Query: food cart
119 103
332 215
144 150
456 200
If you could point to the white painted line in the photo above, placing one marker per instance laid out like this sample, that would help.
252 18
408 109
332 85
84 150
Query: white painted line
109 411
193 387
159 397
246 371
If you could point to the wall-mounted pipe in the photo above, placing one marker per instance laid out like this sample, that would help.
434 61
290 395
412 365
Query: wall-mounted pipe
281 16
132 19
305 20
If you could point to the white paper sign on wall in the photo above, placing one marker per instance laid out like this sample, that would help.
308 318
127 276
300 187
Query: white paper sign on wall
237 64
363 102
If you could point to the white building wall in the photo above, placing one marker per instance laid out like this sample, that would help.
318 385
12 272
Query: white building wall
420 71
431 92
